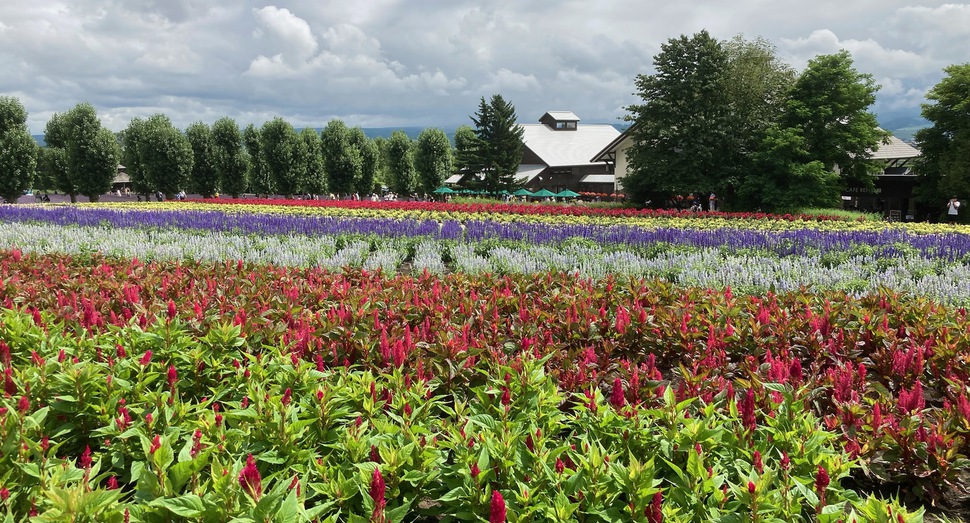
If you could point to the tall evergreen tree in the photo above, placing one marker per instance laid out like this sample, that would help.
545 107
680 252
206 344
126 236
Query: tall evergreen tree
432 159
231 160
494 156
18 150
205 178
464 145
681 132
944 167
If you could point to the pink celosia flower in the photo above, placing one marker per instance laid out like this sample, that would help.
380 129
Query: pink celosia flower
654 512
249 479
377 492
146 358
617 399
496 512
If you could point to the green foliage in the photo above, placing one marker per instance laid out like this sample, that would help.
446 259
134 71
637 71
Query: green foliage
944 166
830 104
231 160
132 142
400 164
279 149
18 150
204 179
682 130
492 157
342 161
90 152
432 159
260 181
165 155
370 156
311 160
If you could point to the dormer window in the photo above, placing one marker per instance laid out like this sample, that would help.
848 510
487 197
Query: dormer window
560 120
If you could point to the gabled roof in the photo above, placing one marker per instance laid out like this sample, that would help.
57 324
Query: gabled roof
528 171
560 116
561 149
896 149
610 148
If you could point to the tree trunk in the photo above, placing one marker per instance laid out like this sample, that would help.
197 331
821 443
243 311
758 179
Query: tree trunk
73 197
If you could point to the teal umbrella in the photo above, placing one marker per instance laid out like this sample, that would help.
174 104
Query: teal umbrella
566 193
543 193
444 190
522 192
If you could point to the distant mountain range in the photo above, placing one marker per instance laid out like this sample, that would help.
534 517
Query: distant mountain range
902 127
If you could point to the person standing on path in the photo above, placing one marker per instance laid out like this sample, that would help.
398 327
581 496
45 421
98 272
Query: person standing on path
953 210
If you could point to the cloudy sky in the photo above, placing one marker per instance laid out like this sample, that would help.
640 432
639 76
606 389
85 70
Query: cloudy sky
383 63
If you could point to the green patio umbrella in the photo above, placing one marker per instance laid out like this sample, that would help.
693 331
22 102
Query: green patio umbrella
543 193
444 190
566 193
522 192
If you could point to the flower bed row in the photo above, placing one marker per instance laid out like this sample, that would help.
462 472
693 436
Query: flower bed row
166 423
861 269
885 372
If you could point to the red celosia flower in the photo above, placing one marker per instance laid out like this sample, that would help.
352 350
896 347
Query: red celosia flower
146 358
751 487
912 400
375 455
249 479
85 461
654 512
171 310
4 494
821 479
287 395
747 410
506 396
9 387
156 444
785 460
560 466
377 492
112 483
475 471
23 406
617 399
758 465
173 376
496 512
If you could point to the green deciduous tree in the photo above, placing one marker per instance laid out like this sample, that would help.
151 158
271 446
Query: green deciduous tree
494 156
341 161
279 148
830 104
432 159
90 152
231 160
166 156
311 156
464 143
260 181
132 142
370 156
944 167
682 131
18 150
205 178
400 163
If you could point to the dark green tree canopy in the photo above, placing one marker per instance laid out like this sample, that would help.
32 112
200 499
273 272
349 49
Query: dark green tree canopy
205 178
370 156
18 150
279 148
493 157
681 131
260 181
231 160
166 156
432 159
830 103
90 152
342 161
944 167
400 163
311 158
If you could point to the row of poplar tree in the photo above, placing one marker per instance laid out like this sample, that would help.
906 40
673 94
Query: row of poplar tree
81 158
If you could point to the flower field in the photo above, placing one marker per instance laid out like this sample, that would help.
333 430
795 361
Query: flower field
214 362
